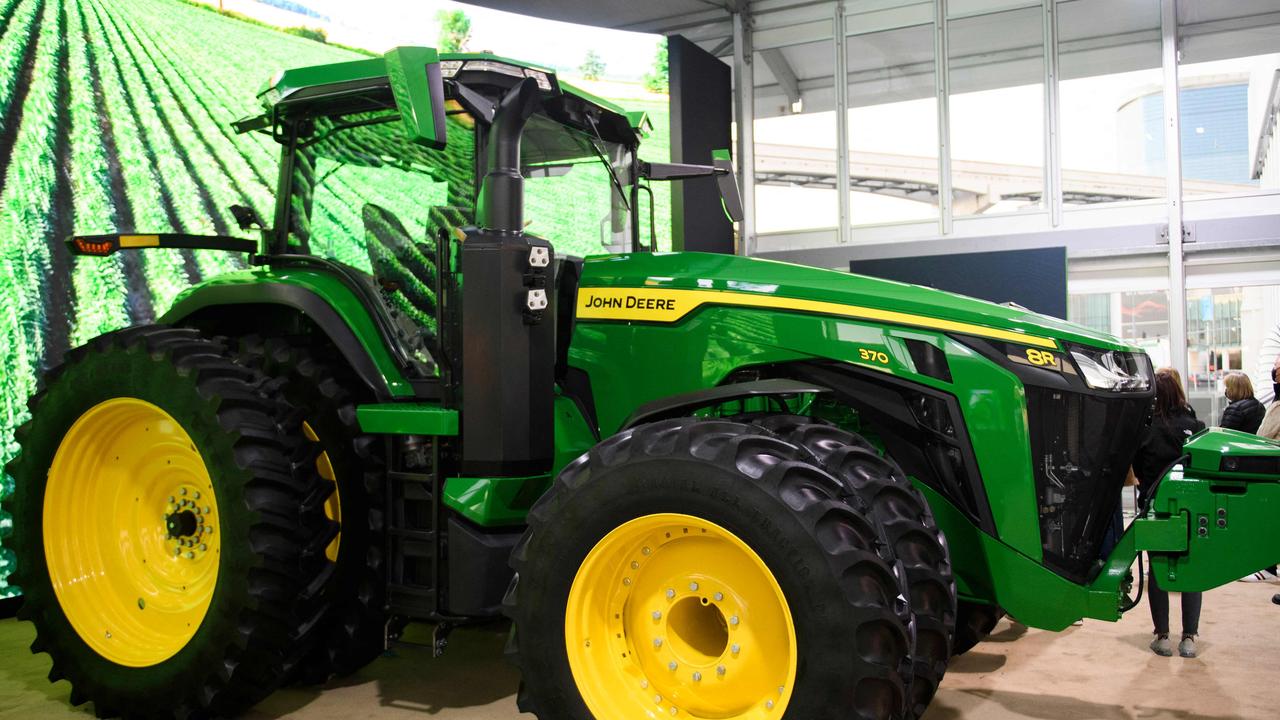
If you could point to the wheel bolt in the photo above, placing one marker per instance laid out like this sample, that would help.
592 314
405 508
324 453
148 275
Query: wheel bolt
207 510
635 565
670 593
672 666
733 621
693 587
674 711
644 684
626 581
657 615
768 704
697 676
720 670
172 499
196 495
182 491
645 551
203 547
719 597
657 699
735 648
191 556
657 643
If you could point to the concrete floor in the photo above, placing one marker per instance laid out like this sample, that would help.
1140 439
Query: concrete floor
1099 671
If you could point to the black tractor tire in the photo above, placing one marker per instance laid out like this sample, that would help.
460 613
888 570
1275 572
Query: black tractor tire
349 596
879 486
267 546
975 621
851 647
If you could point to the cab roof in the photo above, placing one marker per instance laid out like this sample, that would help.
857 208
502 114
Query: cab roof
315 83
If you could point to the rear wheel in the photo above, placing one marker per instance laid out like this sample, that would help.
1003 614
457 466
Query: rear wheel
349 594
162 524
877 484
703 569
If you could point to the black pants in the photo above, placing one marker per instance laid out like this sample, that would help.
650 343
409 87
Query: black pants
1159 601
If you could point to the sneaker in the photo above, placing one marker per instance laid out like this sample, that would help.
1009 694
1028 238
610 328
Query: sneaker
1161 646
1187 648
1261 576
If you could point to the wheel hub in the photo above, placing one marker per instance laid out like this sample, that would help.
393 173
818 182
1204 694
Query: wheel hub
674 614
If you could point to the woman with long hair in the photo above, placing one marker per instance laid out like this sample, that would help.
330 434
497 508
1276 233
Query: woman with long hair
1161 445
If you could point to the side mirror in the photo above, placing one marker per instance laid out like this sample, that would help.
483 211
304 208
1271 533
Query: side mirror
418 88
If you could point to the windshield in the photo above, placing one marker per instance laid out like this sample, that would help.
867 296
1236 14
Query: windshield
575 195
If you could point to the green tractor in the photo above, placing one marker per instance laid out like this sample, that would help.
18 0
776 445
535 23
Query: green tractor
700 486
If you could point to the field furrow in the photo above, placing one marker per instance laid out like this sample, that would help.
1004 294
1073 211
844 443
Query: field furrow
93 211
166 271
25 203
18 51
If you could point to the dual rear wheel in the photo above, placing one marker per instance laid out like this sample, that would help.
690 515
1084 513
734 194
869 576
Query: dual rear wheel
715 569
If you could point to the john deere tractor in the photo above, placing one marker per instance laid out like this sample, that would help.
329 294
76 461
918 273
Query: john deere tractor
700 486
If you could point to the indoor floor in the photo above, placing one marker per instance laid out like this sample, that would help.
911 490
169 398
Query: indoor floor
1100 670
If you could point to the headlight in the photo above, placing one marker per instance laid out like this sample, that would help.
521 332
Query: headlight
1113 370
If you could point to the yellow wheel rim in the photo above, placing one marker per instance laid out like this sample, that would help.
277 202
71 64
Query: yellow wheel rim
332 505
672 615
131 532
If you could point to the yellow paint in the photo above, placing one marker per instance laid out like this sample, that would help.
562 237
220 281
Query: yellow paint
667 305
333 504
671 588
132 591
139 241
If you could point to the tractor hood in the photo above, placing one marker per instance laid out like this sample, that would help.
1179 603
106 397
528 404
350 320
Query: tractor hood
672 285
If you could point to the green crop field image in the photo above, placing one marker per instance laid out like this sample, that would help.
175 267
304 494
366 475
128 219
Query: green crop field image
115 116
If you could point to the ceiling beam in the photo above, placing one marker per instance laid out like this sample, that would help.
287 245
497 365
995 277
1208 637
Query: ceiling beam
781 70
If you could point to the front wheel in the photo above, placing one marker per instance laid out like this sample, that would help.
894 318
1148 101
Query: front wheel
703 569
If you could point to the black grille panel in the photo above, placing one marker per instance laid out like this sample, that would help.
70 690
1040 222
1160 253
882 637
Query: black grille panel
1081 447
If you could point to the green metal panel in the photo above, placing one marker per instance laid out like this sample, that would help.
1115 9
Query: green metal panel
420 107
1207 450
993 572
573 435
494 501
1229 527
407 419
329 288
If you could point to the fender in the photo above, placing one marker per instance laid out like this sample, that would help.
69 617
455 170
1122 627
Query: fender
324 299
683 404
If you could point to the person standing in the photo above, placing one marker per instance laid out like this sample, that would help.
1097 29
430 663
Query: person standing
1244 413
1161 446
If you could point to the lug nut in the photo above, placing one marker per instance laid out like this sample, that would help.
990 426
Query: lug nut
635 565
657 643
768 704
196 494
734 621
645 551
657 615
670 593
719 597
693 587
697 676
182 491
720 670
191 556
207 510
203 547
735 648
672 666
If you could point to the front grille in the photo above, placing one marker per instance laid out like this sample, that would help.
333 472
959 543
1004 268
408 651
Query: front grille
1082 444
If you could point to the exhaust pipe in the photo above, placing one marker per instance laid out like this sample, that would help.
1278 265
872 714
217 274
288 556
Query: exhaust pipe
502 192
508 311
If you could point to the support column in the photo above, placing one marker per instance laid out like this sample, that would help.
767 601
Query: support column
941 71
744 93
1173 186
1052 138
841 79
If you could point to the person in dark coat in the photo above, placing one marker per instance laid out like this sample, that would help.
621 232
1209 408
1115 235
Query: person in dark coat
1160 446
1244 413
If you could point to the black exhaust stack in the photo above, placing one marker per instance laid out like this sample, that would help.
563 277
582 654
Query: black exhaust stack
508 317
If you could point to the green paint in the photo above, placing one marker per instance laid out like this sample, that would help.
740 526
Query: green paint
407 419
328 287
573 435
494 502
1208 449
406 71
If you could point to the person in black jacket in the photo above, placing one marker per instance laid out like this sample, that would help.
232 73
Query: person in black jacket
1160 447
1244 413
